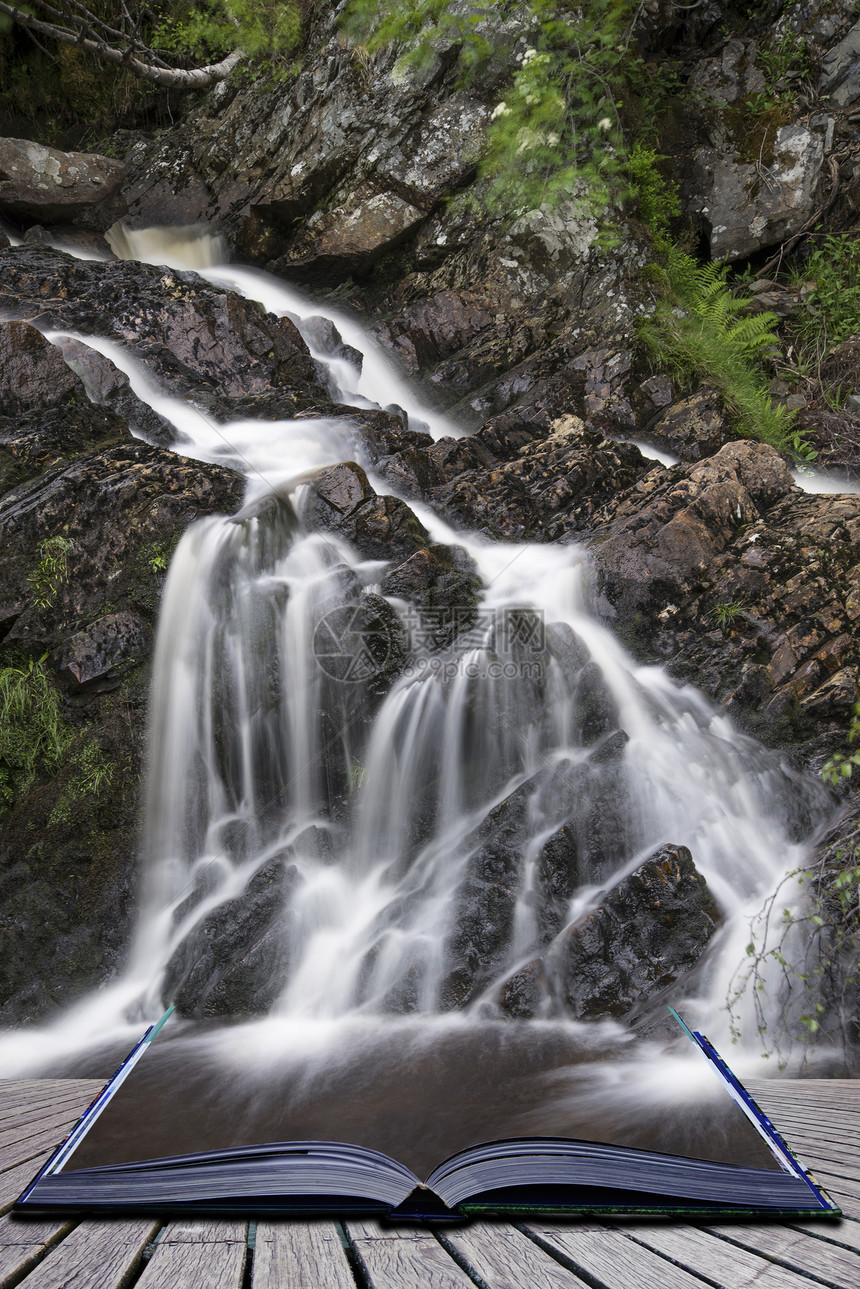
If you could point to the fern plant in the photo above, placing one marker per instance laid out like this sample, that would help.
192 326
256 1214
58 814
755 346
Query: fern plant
702 329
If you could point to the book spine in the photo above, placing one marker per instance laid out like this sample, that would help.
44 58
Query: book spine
95 1108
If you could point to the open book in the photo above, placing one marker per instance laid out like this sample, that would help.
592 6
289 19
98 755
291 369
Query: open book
752 1171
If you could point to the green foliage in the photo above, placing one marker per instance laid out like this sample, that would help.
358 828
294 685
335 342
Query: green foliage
842 765
702 329
51 572
268 33
658 201
422 28
556 134
807 953
93 772
786 57
157 556
33 735
725 614
832 313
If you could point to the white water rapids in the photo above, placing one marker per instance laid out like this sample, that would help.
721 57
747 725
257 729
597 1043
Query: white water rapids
258 755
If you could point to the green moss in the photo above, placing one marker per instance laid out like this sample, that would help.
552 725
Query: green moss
753 123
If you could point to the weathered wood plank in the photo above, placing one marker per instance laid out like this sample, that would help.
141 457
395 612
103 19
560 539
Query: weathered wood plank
611 1259
204 1230
727 1264
799 1250
399 1263
812 1136
13 1180
26 1230
846 1231
12 1111
96 1255
194 1265
38 1143
24 1242
392 1256
39 1114
20 1092
17 1259
834 1177
58 1122
501 1257
368 1228
300 1255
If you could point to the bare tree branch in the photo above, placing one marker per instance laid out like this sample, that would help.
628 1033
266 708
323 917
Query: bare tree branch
136 56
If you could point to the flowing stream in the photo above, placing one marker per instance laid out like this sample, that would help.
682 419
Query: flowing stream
285 792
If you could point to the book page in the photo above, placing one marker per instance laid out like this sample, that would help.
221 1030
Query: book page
418 1091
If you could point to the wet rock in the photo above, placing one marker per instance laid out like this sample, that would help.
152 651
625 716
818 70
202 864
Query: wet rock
443 582
732 75
340 500
44 437
107 385
592 796
32 371
194 336
526 993
743 585
44 184
326 339
361 643
693 427
651 396
425 332
68 851
95 653
486 900
647 932
235 961
111 507
442 154
553 487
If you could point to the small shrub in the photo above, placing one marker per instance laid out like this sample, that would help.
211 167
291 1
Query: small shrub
555 134
832 313
51 572
33 734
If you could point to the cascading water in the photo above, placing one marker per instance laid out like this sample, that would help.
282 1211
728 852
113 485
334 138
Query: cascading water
316 837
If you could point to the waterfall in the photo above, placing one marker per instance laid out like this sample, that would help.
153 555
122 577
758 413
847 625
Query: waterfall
316 816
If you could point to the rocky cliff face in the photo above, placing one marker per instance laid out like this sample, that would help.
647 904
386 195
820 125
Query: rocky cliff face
522 327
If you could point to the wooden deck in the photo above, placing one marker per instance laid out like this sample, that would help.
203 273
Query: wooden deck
819 1118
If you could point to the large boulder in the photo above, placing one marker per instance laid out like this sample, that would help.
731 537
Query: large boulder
748 202
32 372
647 933
235 959
340 500
45 185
